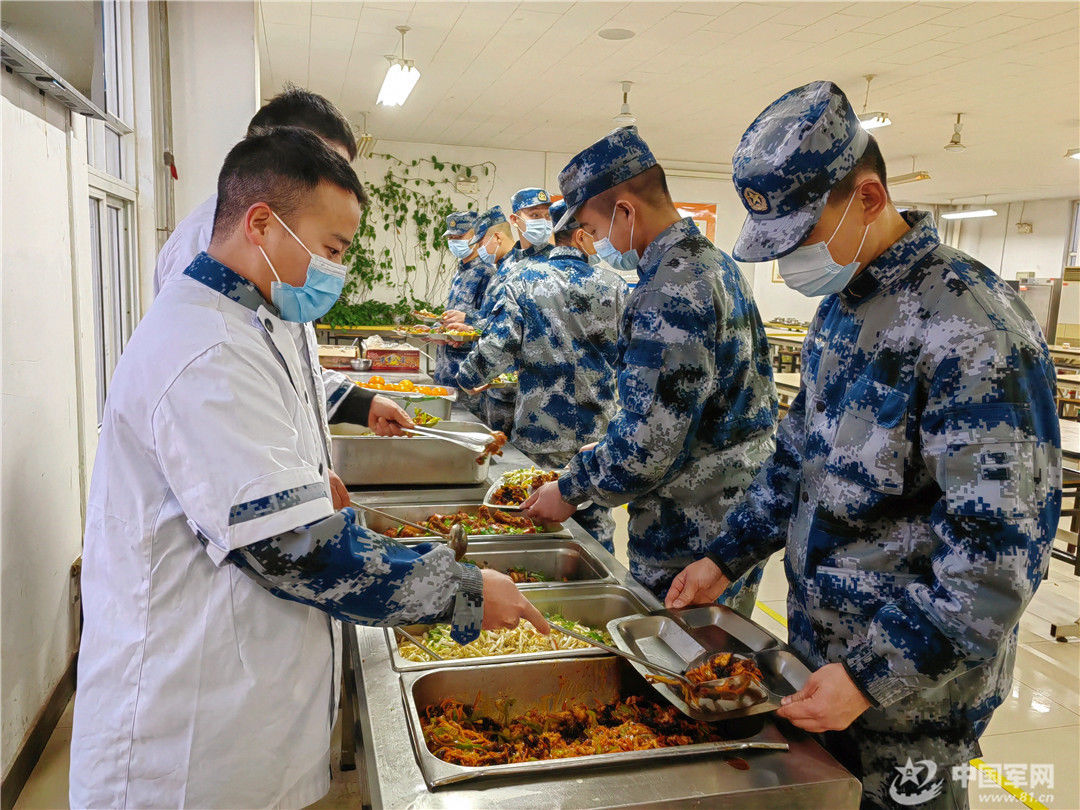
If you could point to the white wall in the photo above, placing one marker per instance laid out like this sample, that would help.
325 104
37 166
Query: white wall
517 169
215 90
41 410
995 242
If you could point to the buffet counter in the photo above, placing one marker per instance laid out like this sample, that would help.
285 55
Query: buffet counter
386 695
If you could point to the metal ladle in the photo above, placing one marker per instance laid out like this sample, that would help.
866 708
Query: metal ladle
457 538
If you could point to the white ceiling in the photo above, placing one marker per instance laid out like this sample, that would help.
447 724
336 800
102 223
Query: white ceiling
535 75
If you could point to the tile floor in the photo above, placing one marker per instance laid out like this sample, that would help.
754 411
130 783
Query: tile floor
1039 723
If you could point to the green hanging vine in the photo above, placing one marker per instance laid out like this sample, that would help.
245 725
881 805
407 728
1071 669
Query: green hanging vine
399 245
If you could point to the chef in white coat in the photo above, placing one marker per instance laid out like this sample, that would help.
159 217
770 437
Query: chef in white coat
293 107
213 557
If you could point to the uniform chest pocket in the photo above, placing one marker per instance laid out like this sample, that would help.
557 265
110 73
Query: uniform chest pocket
640 375
871 443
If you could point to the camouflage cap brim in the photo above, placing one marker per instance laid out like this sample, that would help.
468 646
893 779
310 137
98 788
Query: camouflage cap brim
564 220
762 240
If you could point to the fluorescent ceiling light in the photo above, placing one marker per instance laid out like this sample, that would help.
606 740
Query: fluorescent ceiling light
400 80
972 214
874 120
1073 153
910 177
401 77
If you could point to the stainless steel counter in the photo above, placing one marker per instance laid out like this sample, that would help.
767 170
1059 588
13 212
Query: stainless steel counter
803 777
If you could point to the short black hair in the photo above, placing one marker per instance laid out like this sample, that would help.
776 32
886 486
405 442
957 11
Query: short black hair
297 107
650 185
279 167
565 237
871 160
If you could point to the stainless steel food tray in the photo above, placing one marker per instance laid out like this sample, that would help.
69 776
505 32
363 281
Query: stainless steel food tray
564 562
594 605
388 460
675 638
421 512
546 685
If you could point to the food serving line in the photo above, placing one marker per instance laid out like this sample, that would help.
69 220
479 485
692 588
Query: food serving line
751 759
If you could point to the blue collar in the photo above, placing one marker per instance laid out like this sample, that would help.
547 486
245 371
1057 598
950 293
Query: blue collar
897 260
667 239
228 282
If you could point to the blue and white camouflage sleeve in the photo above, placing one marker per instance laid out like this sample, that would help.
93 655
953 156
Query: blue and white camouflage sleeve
991 441
667 374
498 347
336 386
362 577
758 524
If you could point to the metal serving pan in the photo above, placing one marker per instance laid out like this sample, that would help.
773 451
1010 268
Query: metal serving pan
377 460
563 562
594 605
546 685
421 512
676 638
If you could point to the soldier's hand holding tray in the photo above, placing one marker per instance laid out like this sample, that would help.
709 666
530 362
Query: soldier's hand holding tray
830 701
700 583
547 504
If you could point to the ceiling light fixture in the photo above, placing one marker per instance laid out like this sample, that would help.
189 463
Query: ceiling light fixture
872 120
401 77
973 213
954 144
365 142
1073 153
625 118
910 177
615 33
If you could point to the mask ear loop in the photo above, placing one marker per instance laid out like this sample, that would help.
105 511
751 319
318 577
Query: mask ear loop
293 235
843 216
272 270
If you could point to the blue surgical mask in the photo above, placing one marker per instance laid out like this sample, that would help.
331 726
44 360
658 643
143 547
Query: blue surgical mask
812 270
459 247
537 231
484 256
607 251
322 288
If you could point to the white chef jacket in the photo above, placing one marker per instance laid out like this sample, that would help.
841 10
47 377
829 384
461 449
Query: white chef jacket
196 686
190 238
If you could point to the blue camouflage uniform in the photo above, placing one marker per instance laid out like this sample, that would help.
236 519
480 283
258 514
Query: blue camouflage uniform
696 395
466 295
916 480
557 323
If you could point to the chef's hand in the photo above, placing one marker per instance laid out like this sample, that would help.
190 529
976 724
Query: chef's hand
387 418
546 504
700 583
479 390
338 493
453 316
585 448
504 606
830 701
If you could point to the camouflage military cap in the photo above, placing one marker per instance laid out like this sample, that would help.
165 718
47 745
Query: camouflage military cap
528 197
558 210
797 149
493 216
459 223
611 160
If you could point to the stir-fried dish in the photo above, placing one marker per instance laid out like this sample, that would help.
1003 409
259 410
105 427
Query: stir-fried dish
494 447
522 639
485 521
724 676
517 485
518 574
456 733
